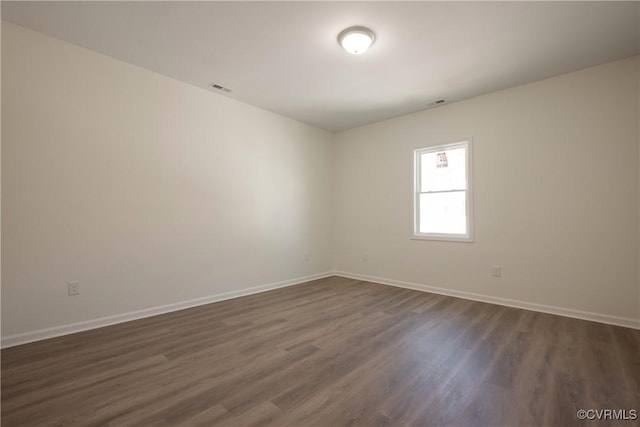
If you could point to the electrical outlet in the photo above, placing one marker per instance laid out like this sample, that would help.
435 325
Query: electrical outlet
496 271
306 257
73 288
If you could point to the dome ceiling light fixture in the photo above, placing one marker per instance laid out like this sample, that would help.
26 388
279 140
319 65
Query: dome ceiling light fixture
356 40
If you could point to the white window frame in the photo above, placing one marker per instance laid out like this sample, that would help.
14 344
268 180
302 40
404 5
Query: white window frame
449 237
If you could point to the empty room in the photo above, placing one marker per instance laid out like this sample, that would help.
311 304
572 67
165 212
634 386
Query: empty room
320 213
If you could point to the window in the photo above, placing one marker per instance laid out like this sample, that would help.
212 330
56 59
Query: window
442 199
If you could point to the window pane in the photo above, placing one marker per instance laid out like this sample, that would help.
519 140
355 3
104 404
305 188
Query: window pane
443 213
443 170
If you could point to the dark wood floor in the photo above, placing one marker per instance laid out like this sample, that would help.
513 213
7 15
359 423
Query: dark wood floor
331 352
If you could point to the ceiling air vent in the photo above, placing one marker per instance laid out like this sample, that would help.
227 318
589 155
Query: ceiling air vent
219 87
438 102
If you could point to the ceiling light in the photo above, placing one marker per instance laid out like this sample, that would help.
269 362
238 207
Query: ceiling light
356 40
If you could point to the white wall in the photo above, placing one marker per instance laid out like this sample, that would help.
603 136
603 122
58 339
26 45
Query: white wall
146 190
556 194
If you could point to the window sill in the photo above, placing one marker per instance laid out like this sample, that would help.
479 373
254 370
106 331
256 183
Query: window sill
462 239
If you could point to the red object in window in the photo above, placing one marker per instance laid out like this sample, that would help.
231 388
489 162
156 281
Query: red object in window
442 160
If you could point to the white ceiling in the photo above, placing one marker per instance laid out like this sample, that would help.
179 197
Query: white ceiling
284 56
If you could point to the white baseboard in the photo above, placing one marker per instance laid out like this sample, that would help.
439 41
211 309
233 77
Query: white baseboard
627 322
56 331
70 328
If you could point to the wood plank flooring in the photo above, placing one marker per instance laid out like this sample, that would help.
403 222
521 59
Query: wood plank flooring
332 352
